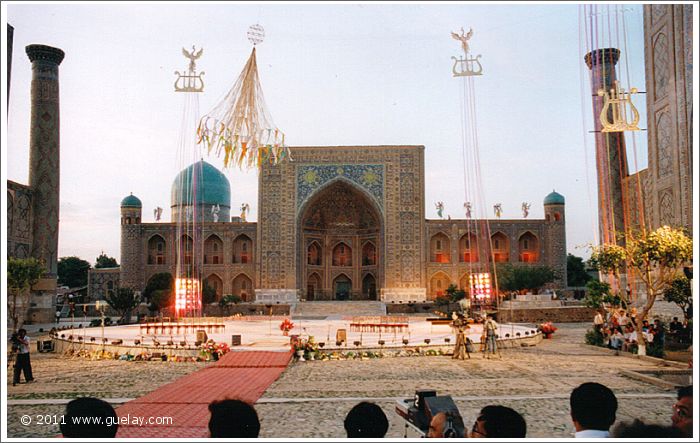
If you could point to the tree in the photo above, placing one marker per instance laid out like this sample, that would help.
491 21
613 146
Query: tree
227 300
517 278
454 294
72 271
22 273
208 294
576 271
161 299
680 293
161 281
599 296
655 257
103 261
123 301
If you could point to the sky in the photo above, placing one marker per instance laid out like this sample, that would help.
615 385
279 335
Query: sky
332 74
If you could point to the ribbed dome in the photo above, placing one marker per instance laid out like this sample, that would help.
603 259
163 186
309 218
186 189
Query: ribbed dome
131 201
203 184
554 198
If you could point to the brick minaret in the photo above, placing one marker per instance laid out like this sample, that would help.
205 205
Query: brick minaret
44 165
611 158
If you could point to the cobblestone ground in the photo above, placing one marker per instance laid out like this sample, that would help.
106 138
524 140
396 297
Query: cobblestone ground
534 381
311 399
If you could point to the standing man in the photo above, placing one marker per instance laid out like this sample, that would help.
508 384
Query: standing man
598 321
490 326
58 315
22 363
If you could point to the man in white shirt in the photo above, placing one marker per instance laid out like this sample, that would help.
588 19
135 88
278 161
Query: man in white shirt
598 321
593 409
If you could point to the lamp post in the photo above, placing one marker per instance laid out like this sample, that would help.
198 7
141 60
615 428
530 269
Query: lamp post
100 306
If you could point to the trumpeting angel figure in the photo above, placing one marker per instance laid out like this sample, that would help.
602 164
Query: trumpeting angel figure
468 209
157 212
526 209
498 209
215 212
245 207
440 206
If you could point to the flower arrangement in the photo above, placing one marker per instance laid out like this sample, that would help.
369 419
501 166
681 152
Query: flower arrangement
547 329
306 347
286 326
212 350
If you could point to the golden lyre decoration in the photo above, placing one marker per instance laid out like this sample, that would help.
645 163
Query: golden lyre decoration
190 81
615 100
240 126
465 66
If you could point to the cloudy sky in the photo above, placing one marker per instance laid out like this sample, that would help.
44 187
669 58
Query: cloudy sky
332 74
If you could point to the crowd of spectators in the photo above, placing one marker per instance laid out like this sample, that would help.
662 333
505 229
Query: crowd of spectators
593 411
620 331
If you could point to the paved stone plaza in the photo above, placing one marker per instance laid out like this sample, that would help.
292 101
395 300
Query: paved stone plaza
312 398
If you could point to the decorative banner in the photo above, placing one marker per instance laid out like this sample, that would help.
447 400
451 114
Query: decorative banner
614 107
465 66
190 81
240 125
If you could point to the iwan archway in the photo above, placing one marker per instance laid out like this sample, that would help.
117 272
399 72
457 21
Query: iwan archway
340 241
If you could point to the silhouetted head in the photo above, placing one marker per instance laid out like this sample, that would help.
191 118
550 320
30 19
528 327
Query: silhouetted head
233 419
499 422
593 406
88 417
639 429
366 420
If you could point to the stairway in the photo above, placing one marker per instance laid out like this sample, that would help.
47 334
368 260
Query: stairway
325 309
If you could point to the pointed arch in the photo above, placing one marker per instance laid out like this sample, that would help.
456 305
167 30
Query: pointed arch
314 254
213 250
157 250
528 248
369 253
185 249
242 249
440 248
369 286
314 283
242 286
468 248
500 245
439 282
342 286
342 254
215 282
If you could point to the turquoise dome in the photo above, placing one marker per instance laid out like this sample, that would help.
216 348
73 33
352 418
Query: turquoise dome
131 201
554 198
211 186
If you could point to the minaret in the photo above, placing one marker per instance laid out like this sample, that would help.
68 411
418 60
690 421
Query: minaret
131 268
555 222
44 164
611 158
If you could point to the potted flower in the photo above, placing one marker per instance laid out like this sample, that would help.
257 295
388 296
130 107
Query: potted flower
547 329
286 326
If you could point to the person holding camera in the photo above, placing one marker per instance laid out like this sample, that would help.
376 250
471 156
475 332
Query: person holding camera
20 345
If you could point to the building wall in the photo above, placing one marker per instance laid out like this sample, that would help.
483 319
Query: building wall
669 77
102 282
19 220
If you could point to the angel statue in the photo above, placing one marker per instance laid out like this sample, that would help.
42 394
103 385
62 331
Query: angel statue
192 56
468 208
440 206
463 38
526 209
498 209
245 207
157 212
215 212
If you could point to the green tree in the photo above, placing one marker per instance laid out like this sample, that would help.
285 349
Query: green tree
208 294
103 261
72 271
654 257
599 296
576 271
680 293
22 273
123 301
161 299
161 281
454 294
517 278
228 300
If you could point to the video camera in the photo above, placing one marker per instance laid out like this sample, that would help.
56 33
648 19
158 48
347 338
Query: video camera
425 404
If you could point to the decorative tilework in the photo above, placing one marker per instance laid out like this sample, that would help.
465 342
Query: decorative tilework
311 177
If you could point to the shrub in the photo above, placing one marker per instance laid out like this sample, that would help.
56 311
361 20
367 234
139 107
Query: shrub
442 301
595 338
